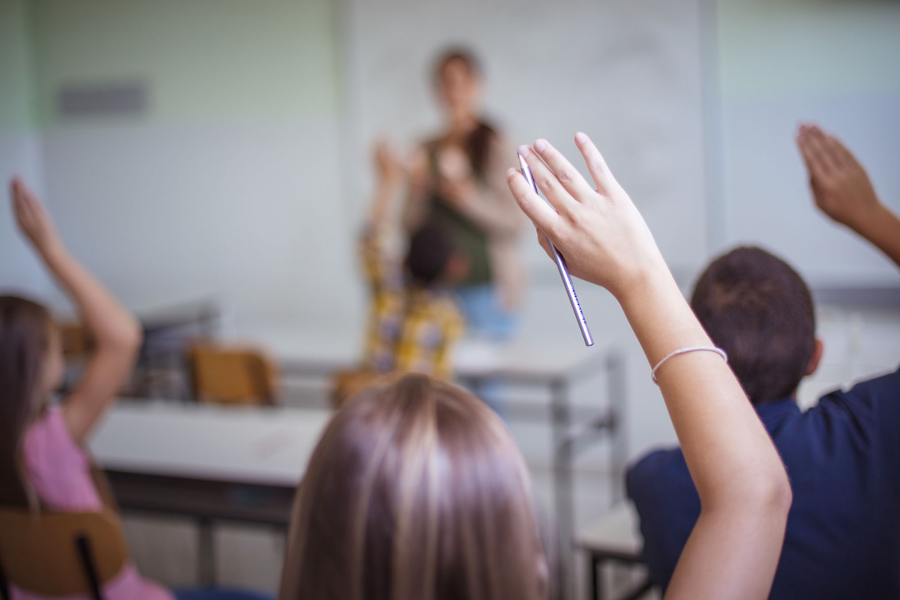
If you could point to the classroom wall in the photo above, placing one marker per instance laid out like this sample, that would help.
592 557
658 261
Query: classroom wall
227 186
780 62
20 144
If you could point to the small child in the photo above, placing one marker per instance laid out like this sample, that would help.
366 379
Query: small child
413 320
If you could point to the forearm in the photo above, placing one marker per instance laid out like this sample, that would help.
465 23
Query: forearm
110 324
882 229
496 216
414 209
728 452
733 550
382 199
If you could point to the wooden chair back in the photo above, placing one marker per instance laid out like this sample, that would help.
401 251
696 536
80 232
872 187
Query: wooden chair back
60 554
232 375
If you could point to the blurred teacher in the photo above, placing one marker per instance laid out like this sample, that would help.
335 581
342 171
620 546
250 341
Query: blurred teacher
458 179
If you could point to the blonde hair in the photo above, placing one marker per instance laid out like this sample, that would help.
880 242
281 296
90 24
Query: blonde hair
416 491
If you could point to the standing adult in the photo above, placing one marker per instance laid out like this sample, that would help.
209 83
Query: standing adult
458 181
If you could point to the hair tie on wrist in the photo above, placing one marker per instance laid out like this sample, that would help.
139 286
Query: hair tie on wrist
718 351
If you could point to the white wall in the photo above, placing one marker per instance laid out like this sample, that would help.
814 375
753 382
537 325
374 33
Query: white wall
227 186
786 61
627 73
20 148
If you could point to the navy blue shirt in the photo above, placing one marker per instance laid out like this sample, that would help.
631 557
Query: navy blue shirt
843 531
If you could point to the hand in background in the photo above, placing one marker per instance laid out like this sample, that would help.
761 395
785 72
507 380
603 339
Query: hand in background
839 183
388 166
419 172
600 233
843 191
33 219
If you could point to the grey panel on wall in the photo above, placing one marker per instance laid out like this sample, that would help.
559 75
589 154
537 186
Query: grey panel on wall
103 99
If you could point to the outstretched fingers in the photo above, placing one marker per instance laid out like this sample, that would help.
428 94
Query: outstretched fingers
547 181
541 214
816 154
568 176
600 173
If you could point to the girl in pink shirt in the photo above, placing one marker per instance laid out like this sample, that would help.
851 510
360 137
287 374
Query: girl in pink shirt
41 447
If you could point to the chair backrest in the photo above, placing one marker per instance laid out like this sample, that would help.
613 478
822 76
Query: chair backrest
232 375
39 551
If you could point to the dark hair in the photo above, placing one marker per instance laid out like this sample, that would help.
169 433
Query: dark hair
416 490
430 249
462 54
758 309
24 340
477 144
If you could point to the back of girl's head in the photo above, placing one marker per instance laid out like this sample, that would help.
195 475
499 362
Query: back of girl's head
24 344
415 491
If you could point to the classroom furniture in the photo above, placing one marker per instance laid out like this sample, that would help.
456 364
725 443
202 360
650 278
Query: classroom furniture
59 554
553 365
161 371
614 538
207 462
229 374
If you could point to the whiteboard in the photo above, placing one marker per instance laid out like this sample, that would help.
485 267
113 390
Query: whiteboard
626 73
834 63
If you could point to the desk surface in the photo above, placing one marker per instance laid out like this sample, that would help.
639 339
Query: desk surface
267 446
299 349
617 532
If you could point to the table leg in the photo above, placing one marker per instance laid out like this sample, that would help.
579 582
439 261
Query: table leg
562 483
595 587
206 559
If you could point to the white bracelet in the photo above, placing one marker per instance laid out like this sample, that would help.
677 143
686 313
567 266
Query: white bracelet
718 351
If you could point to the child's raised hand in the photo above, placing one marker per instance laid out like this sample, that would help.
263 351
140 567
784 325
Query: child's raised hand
840 184
600 233
33 219
389 168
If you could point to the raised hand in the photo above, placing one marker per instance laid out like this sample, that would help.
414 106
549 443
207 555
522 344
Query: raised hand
388 166
843 191
599 232
33 219
840 185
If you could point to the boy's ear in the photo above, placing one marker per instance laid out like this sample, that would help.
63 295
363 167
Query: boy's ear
816 357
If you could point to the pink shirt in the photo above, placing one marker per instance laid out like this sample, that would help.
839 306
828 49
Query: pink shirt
59 471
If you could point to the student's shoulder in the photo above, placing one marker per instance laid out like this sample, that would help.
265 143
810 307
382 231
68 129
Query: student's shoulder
870 404
868 394
655 468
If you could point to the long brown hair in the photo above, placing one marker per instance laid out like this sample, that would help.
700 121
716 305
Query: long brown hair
24 341
416 491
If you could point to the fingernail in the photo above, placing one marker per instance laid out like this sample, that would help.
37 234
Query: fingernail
540 145
524 151
580 138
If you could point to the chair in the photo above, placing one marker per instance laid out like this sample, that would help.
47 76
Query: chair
59 554
232 375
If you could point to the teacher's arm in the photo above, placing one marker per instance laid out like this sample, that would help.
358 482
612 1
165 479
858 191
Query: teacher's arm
489 204
745 495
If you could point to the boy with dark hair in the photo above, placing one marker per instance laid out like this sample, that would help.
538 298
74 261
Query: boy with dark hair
843 455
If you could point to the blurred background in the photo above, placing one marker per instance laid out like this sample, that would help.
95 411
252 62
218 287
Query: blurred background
216 153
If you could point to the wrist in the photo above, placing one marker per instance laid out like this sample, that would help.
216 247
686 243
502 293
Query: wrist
52 251
870 219
649 280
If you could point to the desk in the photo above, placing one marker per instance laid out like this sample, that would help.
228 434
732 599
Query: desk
207 462
616 537
530 362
